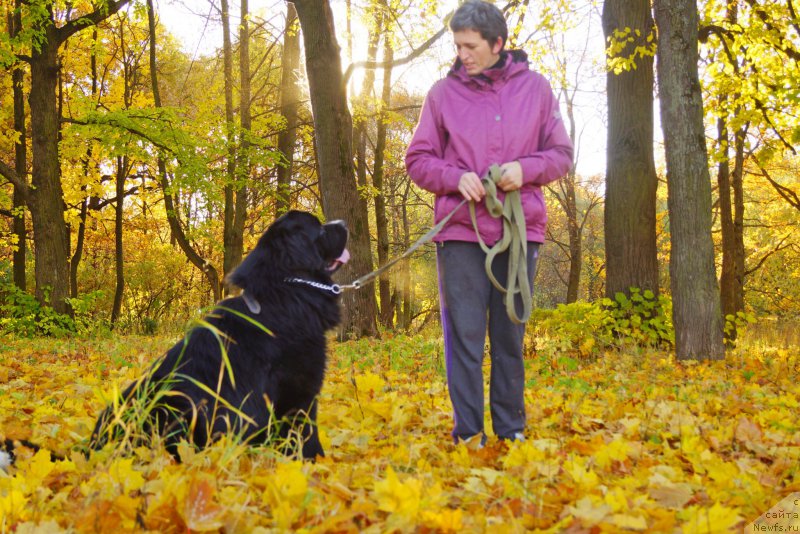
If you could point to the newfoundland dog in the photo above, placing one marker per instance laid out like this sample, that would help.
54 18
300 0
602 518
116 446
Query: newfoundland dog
253 367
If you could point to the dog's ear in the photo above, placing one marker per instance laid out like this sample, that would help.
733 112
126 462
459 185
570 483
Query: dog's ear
253 272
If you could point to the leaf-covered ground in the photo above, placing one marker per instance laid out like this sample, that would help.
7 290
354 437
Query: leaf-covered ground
632 441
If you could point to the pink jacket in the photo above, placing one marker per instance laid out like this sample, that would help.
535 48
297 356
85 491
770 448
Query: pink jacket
468 123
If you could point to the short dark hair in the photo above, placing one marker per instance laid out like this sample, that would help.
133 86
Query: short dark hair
482 17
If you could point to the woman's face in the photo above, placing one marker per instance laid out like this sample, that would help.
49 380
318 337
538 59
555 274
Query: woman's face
475 52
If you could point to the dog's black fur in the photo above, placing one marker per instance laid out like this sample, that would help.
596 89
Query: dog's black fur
277 375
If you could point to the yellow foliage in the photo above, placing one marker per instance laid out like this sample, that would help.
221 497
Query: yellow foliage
398 497
650 446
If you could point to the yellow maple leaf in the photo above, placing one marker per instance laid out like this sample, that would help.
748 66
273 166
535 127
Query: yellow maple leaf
583 475
616 499
618 450
288 484
588 511
13 505
123 473
445 520
671 495
369 382
34 470
629 522
717 519
200 510
398 497
522 454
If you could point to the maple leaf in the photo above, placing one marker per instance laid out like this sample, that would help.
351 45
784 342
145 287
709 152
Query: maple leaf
629 522
369 383
713 520
583 474
588 511
285 493
13 503
397 497
446 520
618 450
36 469
749 433
671 495
200 511
123 473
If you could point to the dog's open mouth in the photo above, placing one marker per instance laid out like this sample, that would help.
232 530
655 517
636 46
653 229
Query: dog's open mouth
338 262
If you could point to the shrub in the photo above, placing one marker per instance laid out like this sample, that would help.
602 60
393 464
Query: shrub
586 328
21 314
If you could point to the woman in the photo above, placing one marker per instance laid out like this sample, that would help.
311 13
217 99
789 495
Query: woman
490 109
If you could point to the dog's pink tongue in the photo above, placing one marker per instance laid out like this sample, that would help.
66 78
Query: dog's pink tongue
344 257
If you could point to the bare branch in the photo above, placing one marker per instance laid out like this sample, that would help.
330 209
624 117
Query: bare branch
397 62
92 19
11 175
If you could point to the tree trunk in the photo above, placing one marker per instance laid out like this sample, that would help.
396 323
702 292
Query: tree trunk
119 252
245 121
731 201
77 253
289 103
363 103
176 231
46 203
381 223
727 278
567 198
236 190
737 184
631 180
406 299
230 178
695 294
333 129
731 209
20 161
574 233
51 239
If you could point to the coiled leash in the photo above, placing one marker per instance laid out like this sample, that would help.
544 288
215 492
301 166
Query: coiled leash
514 240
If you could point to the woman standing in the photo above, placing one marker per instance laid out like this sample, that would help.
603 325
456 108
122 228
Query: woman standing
490 109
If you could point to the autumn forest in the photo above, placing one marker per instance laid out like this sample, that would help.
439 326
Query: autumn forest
662 356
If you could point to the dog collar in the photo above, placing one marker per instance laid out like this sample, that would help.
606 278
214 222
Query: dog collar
335 289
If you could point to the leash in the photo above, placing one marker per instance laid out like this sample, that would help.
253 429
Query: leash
357 284
514 239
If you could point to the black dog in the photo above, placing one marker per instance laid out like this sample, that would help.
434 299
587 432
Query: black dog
255 365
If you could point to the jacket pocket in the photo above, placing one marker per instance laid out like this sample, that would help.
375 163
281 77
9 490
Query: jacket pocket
534 207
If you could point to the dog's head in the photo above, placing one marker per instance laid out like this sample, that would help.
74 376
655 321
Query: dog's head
296 244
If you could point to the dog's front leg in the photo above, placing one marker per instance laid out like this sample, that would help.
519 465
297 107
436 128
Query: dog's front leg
311 444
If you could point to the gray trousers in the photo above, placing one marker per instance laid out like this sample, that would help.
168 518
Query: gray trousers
469 304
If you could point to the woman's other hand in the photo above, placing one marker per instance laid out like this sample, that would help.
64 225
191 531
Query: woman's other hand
511 177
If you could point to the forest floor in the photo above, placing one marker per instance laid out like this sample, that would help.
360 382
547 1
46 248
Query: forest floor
632 440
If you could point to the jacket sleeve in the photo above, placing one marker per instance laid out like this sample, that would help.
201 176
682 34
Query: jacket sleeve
425 155
554 159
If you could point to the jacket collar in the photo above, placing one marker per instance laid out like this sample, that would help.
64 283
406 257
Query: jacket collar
511 62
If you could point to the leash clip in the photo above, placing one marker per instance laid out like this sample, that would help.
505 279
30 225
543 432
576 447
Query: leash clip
340 288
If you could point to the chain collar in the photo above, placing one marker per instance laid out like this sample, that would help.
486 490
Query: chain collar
335 289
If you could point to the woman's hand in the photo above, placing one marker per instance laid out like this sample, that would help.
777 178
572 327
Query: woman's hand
511 179
471 187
